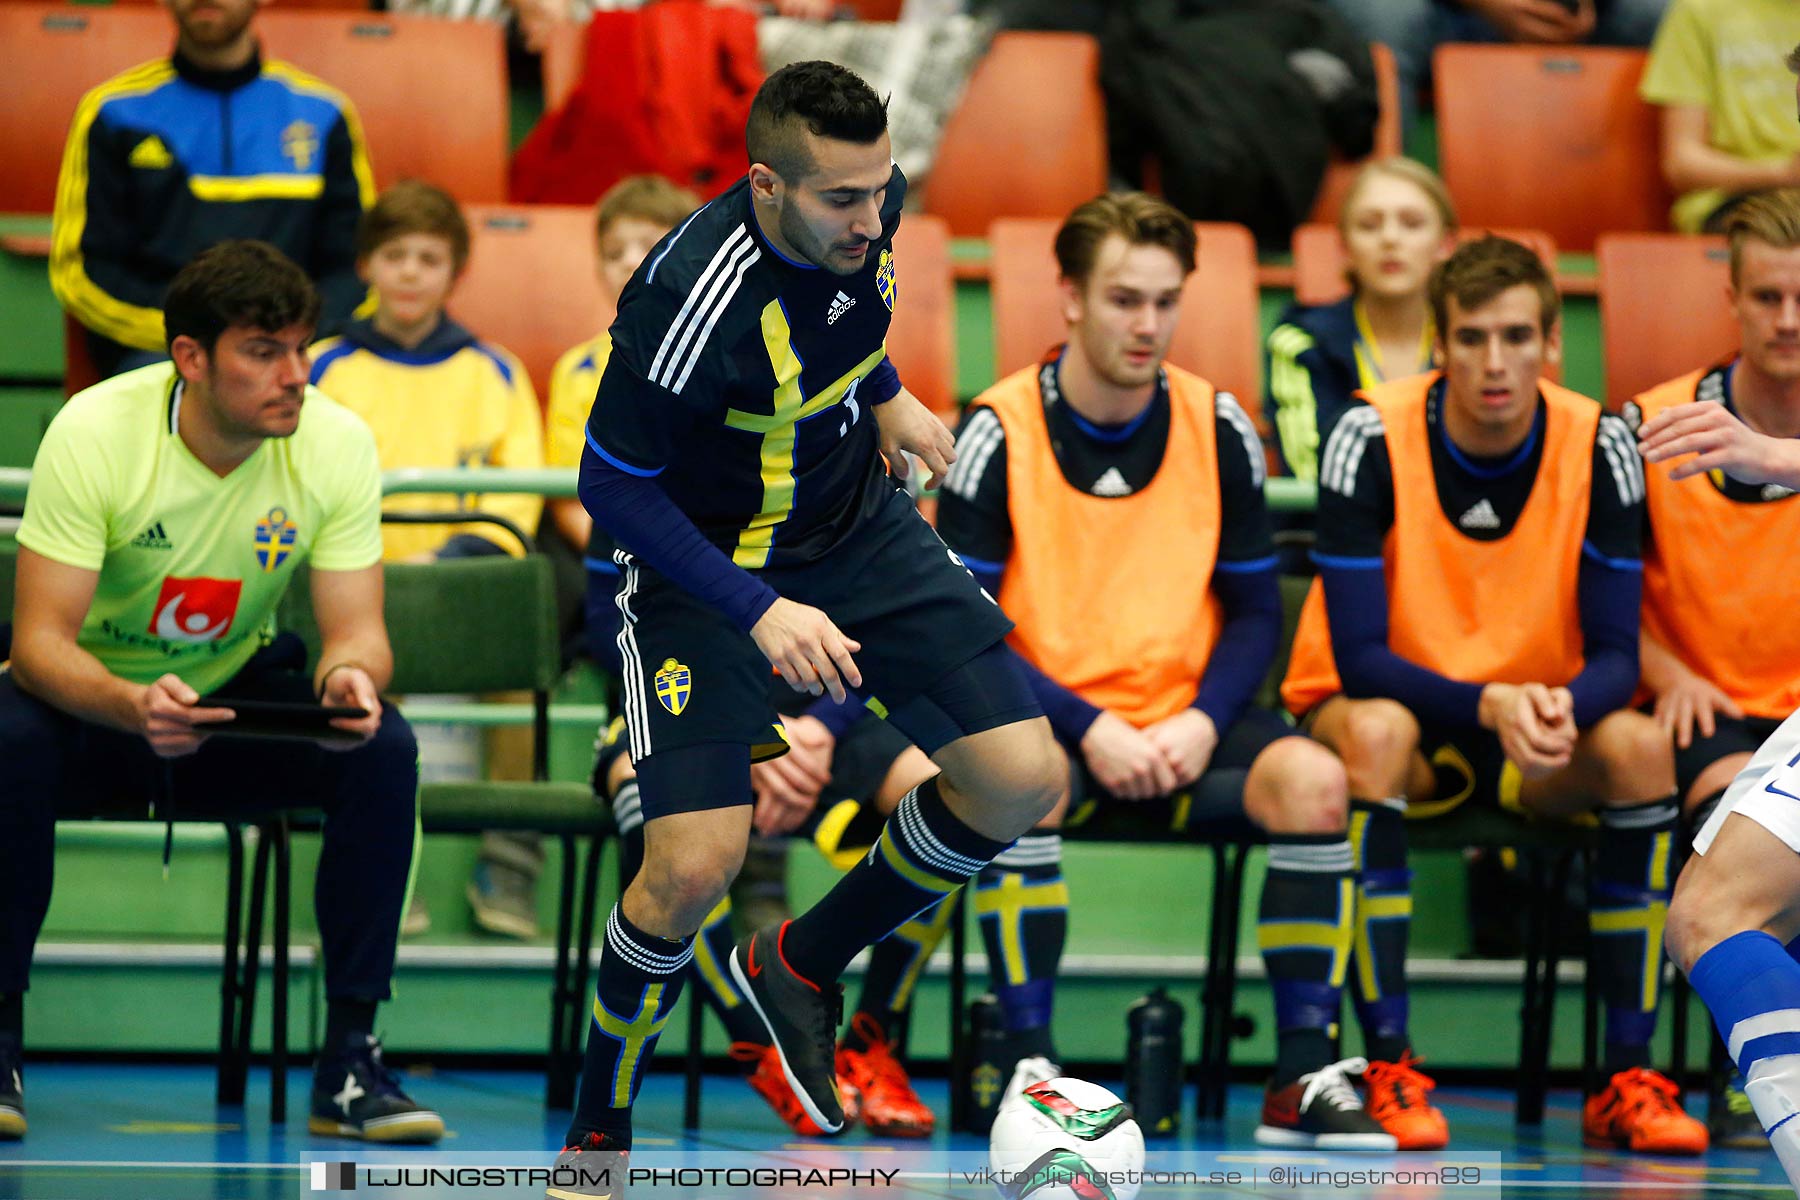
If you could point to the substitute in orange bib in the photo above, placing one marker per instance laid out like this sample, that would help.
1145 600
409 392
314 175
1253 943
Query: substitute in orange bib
1721 674
1473 636
1114 504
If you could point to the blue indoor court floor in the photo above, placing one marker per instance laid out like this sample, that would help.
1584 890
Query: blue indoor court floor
154 1133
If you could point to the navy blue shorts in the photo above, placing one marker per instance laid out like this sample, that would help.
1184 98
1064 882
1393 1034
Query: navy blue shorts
931 659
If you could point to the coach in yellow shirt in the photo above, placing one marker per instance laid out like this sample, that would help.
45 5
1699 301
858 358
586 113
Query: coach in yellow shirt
168 510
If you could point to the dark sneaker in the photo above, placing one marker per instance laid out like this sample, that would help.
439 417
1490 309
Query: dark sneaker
12 1094
1321 1110
802 1019
1730 1121
356 1095
592 1169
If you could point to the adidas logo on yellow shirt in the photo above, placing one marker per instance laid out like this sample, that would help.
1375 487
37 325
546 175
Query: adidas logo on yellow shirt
151 154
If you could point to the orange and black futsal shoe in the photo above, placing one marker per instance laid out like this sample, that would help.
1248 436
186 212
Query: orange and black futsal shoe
1400 1102
890 1106
1639 1111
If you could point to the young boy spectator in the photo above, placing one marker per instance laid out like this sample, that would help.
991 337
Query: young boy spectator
437 396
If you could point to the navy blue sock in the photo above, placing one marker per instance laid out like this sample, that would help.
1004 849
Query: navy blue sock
1303 930
640 978
1633 879
925 853
1383 926
1022 903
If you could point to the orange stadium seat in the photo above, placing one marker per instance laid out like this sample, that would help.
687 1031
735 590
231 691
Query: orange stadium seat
1028 139
1387 138
394 68
54 54
1662 308
922 338
1549 138
531 285
1320 262
432 93
1218 336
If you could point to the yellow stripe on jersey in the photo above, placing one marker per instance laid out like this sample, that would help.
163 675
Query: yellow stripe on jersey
778 430
239 188
126 323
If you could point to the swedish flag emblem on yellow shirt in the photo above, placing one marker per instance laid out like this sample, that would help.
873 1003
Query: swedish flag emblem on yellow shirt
275 536
674 682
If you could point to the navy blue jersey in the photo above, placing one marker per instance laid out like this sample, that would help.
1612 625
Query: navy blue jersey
734 379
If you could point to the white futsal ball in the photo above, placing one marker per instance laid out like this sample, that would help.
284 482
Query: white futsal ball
1066 1139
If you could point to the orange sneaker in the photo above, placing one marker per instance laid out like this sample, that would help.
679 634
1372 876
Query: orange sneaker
766 1078
890 1107
1638 1111
1399 1101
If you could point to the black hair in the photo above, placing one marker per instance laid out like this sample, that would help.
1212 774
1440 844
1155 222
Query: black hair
821 97
243 283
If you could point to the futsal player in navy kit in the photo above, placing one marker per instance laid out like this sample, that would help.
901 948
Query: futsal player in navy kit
735 454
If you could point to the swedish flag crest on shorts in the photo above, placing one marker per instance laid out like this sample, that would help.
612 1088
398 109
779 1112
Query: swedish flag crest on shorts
884 278
674 683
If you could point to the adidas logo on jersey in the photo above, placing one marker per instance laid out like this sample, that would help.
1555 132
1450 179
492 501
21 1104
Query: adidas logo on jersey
1111 484
153 538
1481 516
840 305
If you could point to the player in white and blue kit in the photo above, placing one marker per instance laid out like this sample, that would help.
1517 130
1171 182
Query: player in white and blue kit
1734 924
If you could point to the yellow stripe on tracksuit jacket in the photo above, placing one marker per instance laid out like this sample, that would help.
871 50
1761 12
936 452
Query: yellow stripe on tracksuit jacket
167 159
450 401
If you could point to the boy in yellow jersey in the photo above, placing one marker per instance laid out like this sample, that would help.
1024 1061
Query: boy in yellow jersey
437 396
434 393
1721 674
169 508
1104 480
1474 632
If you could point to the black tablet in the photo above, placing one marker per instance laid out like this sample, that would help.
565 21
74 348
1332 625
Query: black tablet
280 719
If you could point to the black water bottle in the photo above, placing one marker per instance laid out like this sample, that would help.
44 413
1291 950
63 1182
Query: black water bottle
989 1065
1153 1063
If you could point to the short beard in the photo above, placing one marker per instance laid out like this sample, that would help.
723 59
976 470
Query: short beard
225 36
797 235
